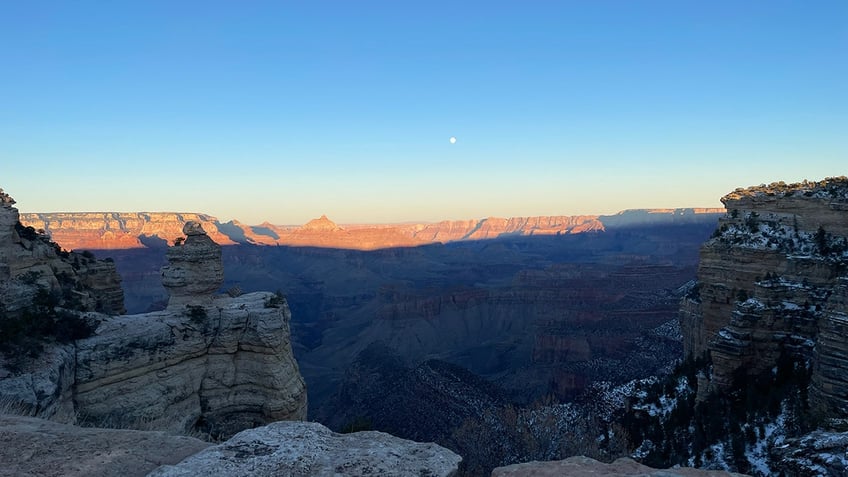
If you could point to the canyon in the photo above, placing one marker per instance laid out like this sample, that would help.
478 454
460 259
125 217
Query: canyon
123 230
214 364
464 338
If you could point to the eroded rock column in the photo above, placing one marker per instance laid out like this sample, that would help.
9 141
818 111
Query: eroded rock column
194 270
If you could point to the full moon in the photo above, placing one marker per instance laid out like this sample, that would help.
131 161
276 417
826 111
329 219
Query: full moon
453 140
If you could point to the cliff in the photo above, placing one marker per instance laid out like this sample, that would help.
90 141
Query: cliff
772 286
206 363
30 263
120 230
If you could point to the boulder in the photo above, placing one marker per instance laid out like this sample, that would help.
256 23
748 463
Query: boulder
309 449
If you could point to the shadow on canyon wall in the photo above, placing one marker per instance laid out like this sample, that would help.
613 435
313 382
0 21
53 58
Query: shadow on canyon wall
536 315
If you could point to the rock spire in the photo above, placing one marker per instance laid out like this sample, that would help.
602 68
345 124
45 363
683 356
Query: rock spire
194 270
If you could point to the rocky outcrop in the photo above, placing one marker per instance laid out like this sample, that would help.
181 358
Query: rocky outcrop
310 449
31 447
194 271
117 230
210 364
587 467
817 453
30 262
772 284
218 369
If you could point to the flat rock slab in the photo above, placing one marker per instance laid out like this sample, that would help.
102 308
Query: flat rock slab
36 447
586 467
309 449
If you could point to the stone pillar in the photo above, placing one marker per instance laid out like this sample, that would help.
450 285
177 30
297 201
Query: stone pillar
194 270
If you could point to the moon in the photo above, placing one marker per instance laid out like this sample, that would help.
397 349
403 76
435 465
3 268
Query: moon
452 140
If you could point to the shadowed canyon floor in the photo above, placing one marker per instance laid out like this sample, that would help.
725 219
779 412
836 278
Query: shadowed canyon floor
535 315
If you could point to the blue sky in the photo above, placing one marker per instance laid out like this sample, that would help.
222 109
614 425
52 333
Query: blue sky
283 111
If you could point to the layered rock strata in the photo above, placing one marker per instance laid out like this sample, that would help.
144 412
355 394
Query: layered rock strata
207 363
29 261
772 283
310 449
219 369
119 230
116 230
194 270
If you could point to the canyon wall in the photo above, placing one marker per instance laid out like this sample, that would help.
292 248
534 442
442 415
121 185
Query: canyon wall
772 286
121 230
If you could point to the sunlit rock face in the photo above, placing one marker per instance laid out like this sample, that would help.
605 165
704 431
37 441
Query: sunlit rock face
771 284
194 270
121 230
118 230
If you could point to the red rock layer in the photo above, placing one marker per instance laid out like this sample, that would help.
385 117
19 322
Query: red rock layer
119 230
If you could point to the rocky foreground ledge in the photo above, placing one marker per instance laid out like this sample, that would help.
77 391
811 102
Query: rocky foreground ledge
309 449
31 446
580 466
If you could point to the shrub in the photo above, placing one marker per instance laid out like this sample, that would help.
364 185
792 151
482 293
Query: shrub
23 336
234 291
30 277
275 301
27 233
359 423
196 313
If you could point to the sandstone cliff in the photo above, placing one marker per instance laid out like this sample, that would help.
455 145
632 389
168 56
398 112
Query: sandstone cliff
109 230
772 285
30 262
119 230
207 363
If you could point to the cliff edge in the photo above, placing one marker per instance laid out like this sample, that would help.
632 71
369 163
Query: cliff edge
773 288
207 363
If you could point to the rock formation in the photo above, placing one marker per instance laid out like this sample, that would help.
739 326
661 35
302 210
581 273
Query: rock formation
111 230
30 262
118 230
817 453
194 271
218 369
213 364
30 447
586 467
772 284
301 449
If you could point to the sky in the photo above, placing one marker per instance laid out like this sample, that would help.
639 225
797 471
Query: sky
282 111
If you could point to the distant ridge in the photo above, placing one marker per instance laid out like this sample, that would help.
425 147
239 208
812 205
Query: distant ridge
122 230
